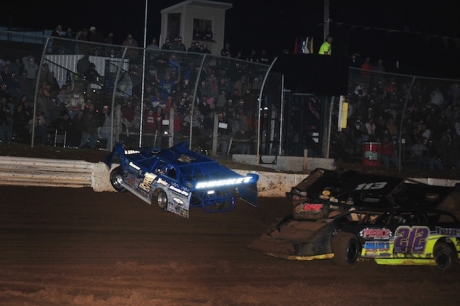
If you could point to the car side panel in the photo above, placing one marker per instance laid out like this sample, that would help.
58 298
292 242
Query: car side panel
416 242
178 196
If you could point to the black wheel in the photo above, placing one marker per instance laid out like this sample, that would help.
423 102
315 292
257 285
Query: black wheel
346 249
116 178
444 257
162 200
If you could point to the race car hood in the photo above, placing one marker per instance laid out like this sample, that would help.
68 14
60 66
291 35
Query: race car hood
297 239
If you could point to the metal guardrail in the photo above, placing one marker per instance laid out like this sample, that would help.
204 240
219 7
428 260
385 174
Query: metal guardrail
76 174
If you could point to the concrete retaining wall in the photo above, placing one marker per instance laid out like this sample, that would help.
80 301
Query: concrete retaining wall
286 163
45 172
70 173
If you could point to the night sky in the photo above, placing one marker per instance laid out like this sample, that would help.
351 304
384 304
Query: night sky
421 35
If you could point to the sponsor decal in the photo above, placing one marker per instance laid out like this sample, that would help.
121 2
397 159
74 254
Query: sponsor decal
377 246
178 201
448 231
148 179
129 152
312 207
376 233
411 239
162 182
178 190
132 165
186 159
226 182
371 155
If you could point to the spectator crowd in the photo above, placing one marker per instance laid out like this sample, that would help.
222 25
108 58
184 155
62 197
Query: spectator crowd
424 119
227 93
383 108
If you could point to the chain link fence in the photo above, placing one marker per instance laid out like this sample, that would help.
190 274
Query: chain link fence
400 121
73 93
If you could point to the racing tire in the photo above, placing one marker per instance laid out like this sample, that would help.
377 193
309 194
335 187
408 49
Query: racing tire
346 249
162 200
444 257
116 177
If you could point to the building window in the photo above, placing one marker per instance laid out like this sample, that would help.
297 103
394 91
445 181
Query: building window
173 25
202 30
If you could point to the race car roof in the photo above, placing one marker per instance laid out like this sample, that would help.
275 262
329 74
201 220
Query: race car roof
193 165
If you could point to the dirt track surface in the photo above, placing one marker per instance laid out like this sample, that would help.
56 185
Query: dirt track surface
64 246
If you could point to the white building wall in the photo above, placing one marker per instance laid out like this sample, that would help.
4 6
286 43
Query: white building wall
193 10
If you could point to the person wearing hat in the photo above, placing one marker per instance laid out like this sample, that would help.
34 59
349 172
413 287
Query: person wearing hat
166 45
177 45
96 38
132 45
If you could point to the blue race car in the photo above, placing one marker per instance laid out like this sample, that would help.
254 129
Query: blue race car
179 179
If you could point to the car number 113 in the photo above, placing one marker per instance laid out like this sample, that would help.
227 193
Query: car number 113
368 186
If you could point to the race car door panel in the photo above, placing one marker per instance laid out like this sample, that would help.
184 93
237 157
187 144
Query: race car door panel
178 196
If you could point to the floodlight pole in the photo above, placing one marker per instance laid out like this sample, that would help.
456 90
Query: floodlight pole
141 121
326 18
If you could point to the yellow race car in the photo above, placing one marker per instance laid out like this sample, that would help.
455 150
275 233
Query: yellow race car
388 236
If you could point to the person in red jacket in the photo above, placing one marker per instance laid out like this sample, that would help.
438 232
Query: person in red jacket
366 68
153 124
149 121
388 151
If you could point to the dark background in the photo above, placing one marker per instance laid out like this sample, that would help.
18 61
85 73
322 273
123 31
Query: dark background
421 35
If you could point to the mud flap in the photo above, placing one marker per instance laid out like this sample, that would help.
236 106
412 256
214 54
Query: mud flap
249 194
